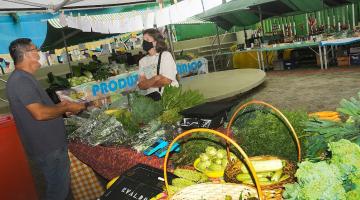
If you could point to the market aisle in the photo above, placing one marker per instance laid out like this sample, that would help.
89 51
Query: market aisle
311 90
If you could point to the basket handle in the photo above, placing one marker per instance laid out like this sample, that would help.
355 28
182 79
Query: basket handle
228 139
284 119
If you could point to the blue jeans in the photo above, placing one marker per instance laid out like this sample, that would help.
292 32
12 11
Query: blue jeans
55 167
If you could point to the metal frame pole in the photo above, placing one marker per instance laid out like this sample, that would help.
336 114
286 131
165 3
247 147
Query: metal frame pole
66 50
258 58
219 44
325 57
321 58
169 38
353 15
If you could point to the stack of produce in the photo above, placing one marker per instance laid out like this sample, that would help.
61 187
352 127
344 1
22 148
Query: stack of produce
261 132
186 178
97 129
174 100
321 132
268 169
326 115
213 162
335 178
142 121
75 81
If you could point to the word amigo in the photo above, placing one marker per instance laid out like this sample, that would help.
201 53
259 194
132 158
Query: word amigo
196 66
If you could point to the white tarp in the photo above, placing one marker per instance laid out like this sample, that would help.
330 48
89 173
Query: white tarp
28 5
136 20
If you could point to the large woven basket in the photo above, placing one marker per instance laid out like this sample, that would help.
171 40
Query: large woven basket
272 191
214 191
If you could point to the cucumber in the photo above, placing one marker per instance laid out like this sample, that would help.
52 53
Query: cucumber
277 175
243 177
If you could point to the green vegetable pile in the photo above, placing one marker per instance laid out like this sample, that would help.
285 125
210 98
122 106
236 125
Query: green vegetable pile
174 100
320 132
97 129
261 132
186 178
337 178
193 146
144 109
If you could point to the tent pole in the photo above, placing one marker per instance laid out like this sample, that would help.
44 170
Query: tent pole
66 50
169 38
29 3
219 44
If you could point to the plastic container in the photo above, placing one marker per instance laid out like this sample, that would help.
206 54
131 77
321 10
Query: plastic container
16 180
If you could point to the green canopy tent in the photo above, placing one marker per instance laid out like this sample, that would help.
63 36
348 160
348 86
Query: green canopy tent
245 13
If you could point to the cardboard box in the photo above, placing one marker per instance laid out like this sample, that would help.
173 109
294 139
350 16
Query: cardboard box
343 61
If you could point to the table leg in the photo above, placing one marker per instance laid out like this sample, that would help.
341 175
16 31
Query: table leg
325 57
262 60
321 58
258 59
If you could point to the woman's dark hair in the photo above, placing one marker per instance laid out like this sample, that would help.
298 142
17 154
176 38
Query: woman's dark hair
160 40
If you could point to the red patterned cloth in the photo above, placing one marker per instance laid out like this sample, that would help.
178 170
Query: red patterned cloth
111 162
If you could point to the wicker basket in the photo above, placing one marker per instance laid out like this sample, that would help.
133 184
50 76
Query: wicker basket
214 192
272 191
217 191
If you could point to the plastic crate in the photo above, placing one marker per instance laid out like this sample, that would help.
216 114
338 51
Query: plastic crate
16 179
343 61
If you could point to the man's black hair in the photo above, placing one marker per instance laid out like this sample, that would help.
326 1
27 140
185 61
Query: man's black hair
18 48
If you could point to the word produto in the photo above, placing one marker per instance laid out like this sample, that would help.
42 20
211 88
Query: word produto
116 84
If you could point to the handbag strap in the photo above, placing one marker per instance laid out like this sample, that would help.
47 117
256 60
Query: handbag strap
158 68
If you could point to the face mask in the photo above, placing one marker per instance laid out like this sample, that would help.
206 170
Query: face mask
42 61
147 45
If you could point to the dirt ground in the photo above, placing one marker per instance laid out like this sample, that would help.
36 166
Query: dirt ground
309 89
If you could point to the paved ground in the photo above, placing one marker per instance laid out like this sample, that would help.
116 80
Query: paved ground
309 89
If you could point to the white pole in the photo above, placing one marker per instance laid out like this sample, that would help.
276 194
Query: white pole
333 16
258 58
294 25
325 57
319 14
307 24
343 14
353 15
321 58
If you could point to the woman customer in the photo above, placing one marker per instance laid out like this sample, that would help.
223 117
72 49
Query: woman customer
157 68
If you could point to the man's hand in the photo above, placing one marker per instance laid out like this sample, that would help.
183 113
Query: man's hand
75 108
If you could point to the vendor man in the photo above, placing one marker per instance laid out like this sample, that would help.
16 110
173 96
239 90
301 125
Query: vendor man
38 121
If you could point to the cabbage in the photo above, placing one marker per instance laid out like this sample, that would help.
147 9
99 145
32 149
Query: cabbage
211 151
215 167
204 157
221 153
218 161
203 165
